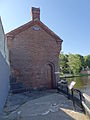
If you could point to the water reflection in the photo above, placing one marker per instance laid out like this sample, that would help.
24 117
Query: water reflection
82 83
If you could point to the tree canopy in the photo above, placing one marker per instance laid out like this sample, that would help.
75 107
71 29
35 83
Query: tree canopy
87 61
73 63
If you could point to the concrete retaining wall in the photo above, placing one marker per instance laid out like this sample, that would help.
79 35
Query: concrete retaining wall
4 81
4 68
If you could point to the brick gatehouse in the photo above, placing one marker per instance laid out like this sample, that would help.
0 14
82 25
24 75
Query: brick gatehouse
34 54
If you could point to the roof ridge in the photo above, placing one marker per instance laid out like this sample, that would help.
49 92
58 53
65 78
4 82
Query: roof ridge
28 25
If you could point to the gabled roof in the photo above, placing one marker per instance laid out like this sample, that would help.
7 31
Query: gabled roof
30 24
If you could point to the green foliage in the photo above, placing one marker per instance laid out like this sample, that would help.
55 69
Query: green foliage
63 63
73 63
82 61
87 61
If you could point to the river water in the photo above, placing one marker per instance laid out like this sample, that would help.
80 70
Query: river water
82 83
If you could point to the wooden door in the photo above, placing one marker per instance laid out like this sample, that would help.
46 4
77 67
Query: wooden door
49 76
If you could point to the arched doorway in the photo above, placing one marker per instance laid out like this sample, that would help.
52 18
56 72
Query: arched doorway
49 76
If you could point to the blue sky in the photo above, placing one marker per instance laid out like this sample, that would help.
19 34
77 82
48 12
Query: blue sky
70 19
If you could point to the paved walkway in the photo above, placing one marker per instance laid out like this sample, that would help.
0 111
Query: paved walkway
42 105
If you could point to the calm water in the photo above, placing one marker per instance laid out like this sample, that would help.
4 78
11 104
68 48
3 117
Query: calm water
82 83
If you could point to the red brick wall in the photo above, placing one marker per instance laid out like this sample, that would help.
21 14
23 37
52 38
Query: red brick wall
30 51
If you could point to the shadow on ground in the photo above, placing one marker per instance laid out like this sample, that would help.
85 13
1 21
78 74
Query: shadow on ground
40 105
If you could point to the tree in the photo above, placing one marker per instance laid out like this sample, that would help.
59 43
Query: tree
87 60
82 61
63 59
74 63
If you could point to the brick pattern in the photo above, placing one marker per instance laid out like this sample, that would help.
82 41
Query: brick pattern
30 51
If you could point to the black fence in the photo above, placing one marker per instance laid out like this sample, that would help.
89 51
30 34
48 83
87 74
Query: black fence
77 97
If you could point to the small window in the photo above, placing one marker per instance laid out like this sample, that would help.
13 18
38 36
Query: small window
36 28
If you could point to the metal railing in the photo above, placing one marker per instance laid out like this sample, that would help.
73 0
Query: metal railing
77 97
74 94
86 104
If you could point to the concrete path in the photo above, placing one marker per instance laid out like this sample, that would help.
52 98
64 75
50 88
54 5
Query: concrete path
42 105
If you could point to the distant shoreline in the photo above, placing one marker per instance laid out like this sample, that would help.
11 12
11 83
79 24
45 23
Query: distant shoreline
72 76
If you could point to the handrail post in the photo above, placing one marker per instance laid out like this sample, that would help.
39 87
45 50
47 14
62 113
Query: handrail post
80 94
68 92
72 91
